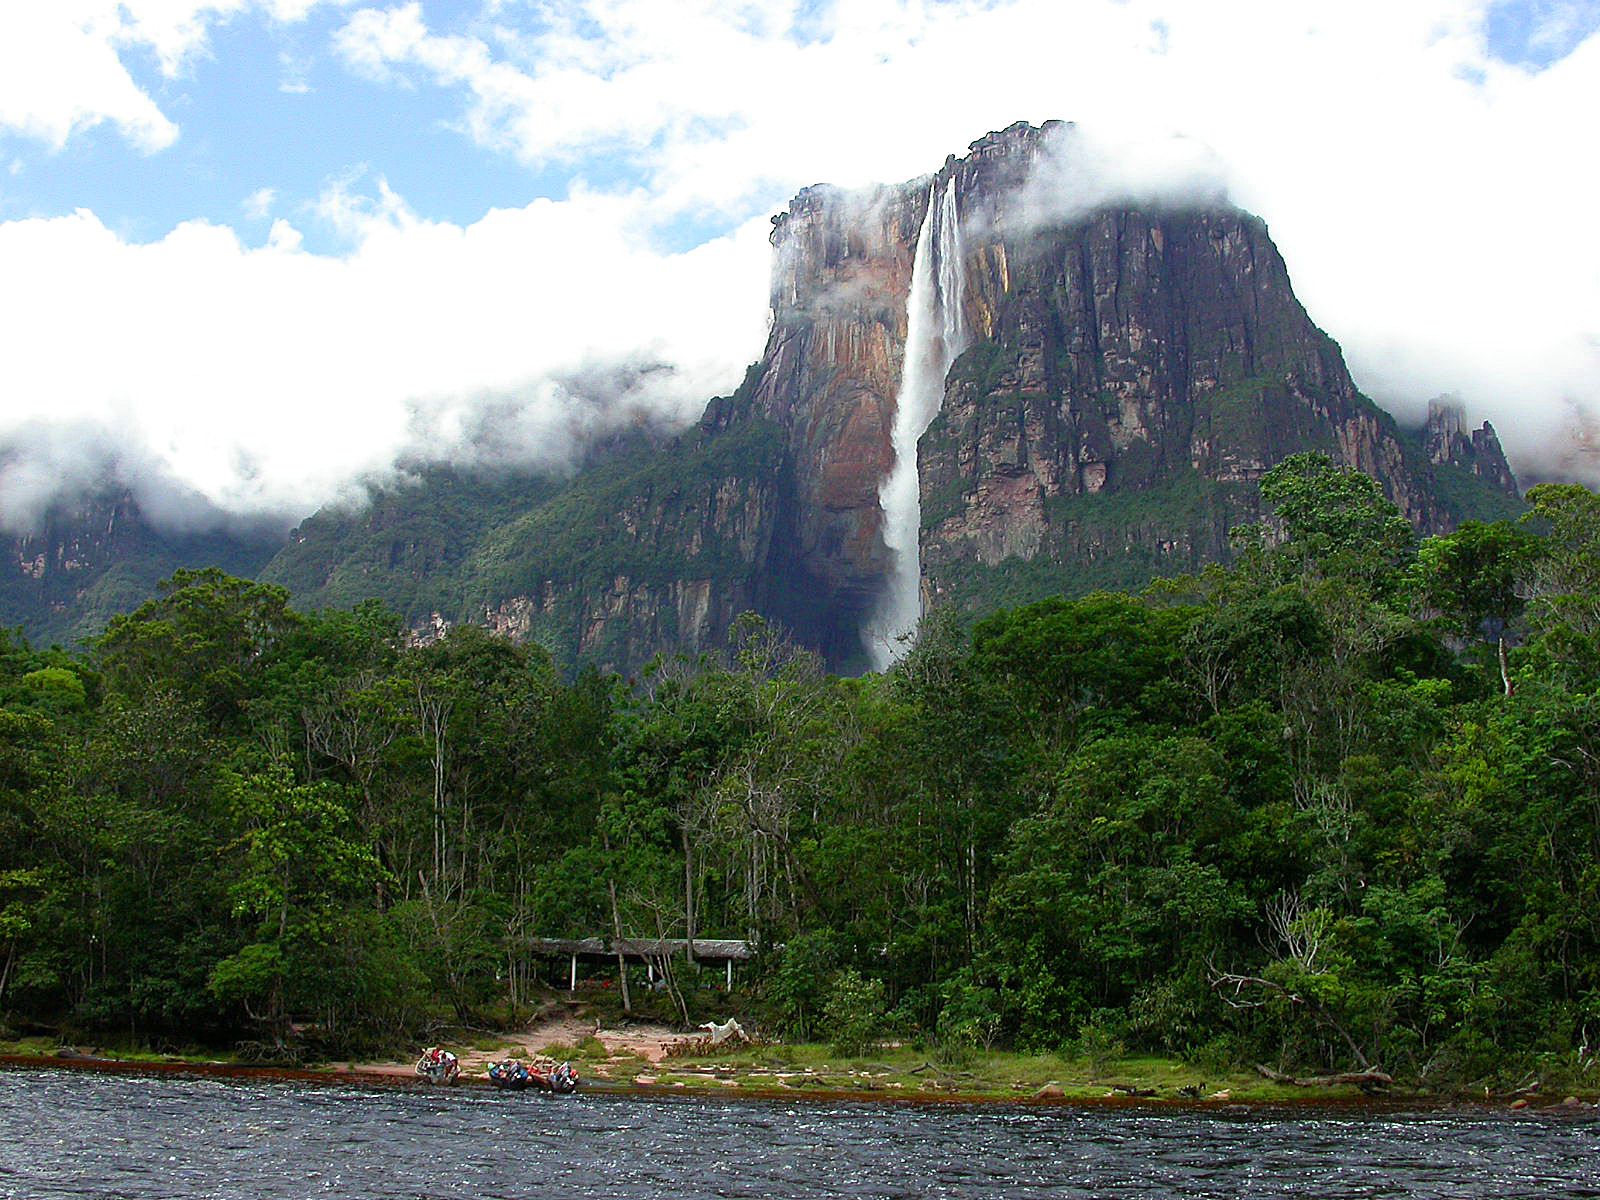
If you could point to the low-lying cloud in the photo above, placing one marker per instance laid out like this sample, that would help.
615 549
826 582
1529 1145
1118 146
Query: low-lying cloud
44 464
1082 169
268 379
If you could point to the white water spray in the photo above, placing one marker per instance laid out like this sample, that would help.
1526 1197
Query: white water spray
935 334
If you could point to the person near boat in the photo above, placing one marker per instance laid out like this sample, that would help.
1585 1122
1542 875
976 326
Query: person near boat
439 1066
547 1075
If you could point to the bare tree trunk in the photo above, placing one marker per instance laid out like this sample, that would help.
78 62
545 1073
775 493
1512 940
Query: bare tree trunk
688 895
616 930
972 888
1505 673
1224 983
433 715
1365 1080
663 964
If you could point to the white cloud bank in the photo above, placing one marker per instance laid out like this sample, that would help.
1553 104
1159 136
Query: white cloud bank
1433 203
268 378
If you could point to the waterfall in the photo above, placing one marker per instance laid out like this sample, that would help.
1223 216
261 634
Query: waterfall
935 334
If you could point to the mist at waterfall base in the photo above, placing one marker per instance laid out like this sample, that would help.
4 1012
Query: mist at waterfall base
936 334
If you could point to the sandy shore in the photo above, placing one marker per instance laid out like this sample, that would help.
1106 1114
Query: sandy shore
629 1044
401 1075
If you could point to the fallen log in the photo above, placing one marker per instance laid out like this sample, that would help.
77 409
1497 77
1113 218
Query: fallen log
1369 1080
1128 1089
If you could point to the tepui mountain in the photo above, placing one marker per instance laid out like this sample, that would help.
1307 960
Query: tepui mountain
1075 398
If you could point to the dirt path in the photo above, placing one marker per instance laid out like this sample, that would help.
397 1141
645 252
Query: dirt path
647 1041
556 1029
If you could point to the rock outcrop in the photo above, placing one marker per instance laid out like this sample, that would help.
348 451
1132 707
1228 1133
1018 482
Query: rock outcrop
664 559
1448 442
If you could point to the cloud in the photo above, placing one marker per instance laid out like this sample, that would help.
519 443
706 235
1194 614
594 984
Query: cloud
1081 169
267 378
1431 199
60 73
62 69
293 72
258 204
45 461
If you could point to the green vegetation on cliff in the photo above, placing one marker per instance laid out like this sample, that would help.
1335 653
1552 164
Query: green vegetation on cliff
1107 541
589 534
1037 484
90 563
461 543
406 546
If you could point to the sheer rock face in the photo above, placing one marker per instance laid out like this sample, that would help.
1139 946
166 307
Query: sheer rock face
1131 351
665 559
1118 350
87 560
829 377
1133 372
832 365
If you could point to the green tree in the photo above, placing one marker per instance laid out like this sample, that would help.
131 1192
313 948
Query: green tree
1337 519
208 636
1476 578
300 867
1565 592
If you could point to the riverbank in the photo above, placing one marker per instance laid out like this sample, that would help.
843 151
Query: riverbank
656 1059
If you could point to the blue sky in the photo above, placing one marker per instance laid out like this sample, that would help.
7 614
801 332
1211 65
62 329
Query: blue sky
265 103
224 221
268 105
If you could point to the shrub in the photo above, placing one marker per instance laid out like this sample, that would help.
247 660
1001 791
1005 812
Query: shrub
969 1021
852 1013
1100 1046
797 987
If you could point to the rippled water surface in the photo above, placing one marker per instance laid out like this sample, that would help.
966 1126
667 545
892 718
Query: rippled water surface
69 1134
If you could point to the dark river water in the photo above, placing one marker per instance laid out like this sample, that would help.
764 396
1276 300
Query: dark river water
71 1134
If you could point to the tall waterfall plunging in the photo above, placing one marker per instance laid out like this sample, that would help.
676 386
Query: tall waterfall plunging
936 333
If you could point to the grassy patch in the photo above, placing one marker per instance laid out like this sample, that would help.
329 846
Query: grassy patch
51 1047
914 1071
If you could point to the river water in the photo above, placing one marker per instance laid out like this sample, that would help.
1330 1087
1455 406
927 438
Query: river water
64 1134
